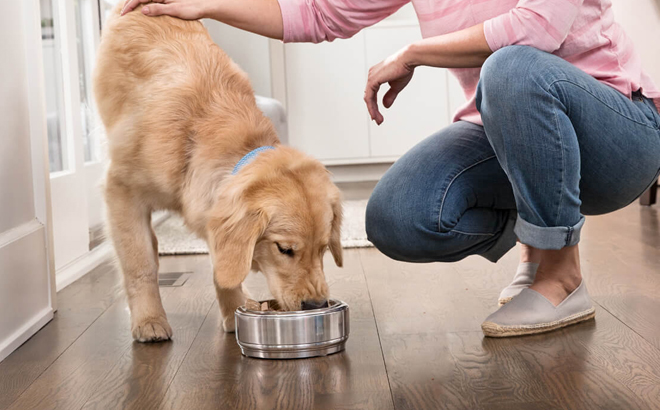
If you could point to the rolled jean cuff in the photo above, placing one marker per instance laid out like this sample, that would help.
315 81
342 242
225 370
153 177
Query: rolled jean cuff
555 237
505 242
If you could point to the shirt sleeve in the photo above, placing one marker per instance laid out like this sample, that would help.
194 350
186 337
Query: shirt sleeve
541 24
325 20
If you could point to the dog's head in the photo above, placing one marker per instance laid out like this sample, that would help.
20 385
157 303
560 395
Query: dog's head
278 215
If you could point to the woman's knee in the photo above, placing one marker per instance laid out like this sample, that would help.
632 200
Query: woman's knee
384 226
509 74
400 229
403 217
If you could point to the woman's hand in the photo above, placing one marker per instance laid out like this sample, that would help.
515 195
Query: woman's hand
460 49
184 9
397 71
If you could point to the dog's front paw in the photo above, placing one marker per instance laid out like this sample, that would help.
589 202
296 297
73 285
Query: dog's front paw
229 324
151 330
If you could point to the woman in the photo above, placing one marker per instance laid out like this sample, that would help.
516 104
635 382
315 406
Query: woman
560 122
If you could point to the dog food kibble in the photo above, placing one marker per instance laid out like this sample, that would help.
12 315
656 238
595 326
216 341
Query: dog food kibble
267 306
252 305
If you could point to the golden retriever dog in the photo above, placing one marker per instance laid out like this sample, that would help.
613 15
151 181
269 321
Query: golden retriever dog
179 116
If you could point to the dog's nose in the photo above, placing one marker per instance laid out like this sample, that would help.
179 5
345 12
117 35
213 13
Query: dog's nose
313 304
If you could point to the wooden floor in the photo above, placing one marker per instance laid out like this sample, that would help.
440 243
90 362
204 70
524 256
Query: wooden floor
415 341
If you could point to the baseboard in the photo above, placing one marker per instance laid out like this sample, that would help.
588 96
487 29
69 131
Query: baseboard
358 172
356 190
25 332
82 266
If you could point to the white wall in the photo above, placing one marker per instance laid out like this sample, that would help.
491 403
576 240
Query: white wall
641 20
248 50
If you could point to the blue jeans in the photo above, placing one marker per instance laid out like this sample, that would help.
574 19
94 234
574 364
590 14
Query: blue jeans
555 144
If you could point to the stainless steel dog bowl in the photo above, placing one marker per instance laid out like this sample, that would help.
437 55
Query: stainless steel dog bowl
293 335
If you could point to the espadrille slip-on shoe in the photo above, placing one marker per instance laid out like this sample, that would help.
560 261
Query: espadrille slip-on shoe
524 278
530 312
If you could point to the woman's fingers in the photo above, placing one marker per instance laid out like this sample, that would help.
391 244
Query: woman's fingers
390 96
371 93
396 87
130 5
157 9
184 9
371 99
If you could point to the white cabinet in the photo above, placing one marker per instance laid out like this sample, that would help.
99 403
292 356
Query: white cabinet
322 86
324 89
419 110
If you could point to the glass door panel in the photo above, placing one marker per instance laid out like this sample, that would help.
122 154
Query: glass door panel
58 147
85 46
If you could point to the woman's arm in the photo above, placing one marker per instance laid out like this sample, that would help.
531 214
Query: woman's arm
536 23
461 49
258 16
325 20
289 20
541 24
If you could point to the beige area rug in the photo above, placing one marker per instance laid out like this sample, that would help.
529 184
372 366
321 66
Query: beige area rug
175 239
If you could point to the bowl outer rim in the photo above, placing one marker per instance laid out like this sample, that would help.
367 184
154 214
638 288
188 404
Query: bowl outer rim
338 307
293 347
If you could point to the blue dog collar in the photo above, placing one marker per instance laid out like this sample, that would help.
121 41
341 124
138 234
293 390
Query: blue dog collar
249 157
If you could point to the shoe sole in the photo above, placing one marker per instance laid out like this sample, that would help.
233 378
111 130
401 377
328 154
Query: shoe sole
491 329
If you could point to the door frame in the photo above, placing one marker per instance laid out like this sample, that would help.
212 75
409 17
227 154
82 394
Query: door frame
41 224
39 133
76 200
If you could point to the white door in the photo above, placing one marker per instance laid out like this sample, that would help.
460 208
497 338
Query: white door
26 283
70 33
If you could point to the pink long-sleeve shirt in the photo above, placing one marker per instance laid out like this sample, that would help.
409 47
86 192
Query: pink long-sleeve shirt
582 32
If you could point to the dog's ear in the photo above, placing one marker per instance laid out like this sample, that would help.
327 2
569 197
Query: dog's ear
233 231
335 232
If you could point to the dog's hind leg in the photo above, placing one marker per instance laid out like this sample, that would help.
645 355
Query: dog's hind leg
129 223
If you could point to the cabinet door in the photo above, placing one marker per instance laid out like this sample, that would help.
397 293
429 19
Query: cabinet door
421 109
325 88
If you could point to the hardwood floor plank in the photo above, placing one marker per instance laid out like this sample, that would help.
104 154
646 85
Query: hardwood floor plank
566 369
144 372
426 317
442 360
575 367
76 374
629 358
79 305
216 375
71 379
621 264
410 298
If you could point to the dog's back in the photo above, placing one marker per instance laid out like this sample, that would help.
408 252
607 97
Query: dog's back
167 95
